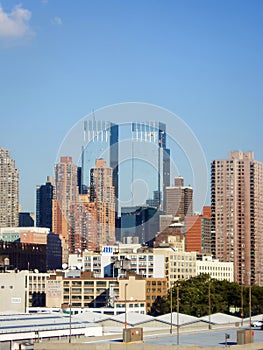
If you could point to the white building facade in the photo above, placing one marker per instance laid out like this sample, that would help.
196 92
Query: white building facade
216 269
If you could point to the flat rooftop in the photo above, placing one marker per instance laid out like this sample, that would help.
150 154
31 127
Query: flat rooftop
214 338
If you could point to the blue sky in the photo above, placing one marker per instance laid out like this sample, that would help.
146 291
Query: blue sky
59 60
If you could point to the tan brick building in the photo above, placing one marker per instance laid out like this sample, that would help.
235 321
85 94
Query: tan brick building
237 214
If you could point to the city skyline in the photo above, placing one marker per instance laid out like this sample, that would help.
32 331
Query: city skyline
201 60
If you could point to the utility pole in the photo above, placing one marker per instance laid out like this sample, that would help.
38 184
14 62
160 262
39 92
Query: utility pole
242 299
70 320
177 310
171 310
125 297
249 274
209 303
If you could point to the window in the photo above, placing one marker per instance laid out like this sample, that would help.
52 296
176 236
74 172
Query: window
76 283
88 290
88 283
101 283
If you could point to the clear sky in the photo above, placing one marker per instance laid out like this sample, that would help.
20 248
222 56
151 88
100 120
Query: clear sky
59 60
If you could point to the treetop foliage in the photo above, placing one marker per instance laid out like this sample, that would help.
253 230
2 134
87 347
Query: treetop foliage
194 295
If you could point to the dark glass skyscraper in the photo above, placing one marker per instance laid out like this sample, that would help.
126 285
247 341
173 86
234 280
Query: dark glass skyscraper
44 196
134 144
155 132
139 221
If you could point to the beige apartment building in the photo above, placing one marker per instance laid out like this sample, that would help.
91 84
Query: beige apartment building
237 214
178 264
66 193
181 265
102 193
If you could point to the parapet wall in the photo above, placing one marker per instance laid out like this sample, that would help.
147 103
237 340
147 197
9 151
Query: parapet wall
140 346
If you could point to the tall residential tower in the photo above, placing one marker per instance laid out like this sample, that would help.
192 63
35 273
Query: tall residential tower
66 193
102 194
179 199
237 214
9 205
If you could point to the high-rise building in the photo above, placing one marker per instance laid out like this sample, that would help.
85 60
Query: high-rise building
54 252
66 193
101 140
83 189
237 214
139 221
198 232
206 231
83 225
44 197
179 199
103 195
26 219
9 205
155 133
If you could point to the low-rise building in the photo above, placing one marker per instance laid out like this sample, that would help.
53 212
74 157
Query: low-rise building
13 291
78 290
34 235
22 289
178 264
81 290
219 270
115 261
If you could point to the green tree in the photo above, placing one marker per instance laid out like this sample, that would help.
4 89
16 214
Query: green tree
194 297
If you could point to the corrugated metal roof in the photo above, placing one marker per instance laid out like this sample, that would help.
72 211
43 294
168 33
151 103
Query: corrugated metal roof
133 318
254 318
89 316
183 319
220 318
35 322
